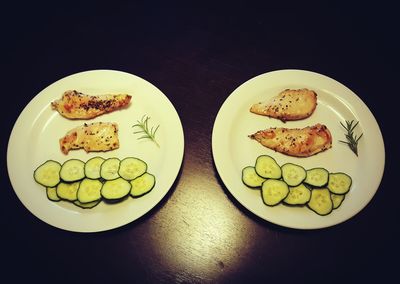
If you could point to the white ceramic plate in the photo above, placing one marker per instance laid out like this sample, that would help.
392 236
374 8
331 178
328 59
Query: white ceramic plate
34 139
233 150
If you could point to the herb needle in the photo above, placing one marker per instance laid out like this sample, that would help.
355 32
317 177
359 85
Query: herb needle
352 139
147 133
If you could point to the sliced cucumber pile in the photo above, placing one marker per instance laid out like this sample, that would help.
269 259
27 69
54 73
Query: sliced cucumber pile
251 178
109 169
48 173
86 184
72 170
142 185
291 184
293 174
89 190
317 177
298 195
92 167
273 191
132 168
115 189
267 167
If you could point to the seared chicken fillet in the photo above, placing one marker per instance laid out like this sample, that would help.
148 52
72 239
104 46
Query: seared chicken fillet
76 105
288 105
99 136
297 142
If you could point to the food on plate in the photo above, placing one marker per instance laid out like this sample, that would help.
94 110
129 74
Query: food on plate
142 185
267 167
298 195
291 184
86 184
89 190
339 183
88 205
321 201
115 189
293 174
72 170
92 167
273 191
337 199
109 169
145 131
288 105
352 139
94 137
76 105
51 193
48 173
296 142
131 168
251 178
317 177
68 190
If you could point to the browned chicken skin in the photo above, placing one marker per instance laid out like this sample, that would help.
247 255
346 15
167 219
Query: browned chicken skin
296 142
76 105
288 105
99 136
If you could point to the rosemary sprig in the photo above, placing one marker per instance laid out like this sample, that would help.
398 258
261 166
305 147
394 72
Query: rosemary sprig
352 139
147 133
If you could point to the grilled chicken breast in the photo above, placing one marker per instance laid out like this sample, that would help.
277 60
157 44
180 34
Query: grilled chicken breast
76 105
296 142
288 105
99 136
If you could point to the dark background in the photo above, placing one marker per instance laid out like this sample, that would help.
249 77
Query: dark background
197 54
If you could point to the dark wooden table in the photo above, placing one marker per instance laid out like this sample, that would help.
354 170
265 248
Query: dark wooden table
197 55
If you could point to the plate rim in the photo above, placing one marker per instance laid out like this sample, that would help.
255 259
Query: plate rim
171 180
236 92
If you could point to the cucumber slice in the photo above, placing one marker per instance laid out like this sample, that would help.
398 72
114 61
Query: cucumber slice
115 189
68 191
267 167
89 190
317 177
131 168
337 200
109 169
320 201
92 167
293 174
274 191
48 173
339 183
298 195
72 170
86 205
142 185
251 178
51 193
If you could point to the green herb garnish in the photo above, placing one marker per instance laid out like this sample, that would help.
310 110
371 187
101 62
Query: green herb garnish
352 139
147 133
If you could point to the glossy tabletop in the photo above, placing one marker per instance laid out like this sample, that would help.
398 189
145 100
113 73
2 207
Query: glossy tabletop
197 55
